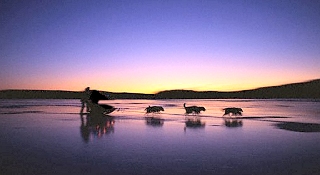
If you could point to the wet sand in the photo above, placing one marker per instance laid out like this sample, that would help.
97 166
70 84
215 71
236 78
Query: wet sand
51 137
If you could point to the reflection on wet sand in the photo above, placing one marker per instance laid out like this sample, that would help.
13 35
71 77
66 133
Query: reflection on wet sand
194 122
232 123
299 127
154 121
96 125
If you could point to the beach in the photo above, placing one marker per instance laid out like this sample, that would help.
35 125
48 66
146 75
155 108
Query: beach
51 137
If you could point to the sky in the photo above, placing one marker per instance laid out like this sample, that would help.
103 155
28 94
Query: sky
147 46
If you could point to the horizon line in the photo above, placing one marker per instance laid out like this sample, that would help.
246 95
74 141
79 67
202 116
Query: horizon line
168 90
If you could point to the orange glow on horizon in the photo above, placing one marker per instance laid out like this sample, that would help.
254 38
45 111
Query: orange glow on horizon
140 83
157 88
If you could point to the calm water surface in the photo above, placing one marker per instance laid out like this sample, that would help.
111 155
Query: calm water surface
51 137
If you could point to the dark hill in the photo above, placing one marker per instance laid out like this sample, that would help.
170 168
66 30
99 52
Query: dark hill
310 89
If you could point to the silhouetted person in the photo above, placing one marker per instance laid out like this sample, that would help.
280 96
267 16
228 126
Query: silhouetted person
90 99
85 99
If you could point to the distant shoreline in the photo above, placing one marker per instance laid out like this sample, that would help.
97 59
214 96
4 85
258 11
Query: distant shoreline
305 90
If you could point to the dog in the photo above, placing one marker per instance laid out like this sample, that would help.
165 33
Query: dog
154 109
193 109
233 111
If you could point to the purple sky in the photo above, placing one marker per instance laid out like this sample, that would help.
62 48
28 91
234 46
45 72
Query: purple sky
148 46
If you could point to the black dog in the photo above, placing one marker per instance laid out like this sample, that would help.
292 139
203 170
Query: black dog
154 109
233 111
193 109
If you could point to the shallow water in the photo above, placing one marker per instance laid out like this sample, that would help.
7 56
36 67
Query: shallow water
51 137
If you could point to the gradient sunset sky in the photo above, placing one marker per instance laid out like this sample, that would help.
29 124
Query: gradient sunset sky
152 45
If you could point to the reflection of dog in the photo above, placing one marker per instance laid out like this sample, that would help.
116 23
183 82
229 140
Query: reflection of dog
195 122
154 109
232 123
154 121
193 109
233 111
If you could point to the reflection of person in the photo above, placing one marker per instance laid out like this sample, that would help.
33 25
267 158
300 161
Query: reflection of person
84 129
85 100
95 125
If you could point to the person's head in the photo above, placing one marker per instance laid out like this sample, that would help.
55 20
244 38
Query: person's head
87 89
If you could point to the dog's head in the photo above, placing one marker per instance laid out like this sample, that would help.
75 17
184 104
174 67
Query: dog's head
202 109
239 110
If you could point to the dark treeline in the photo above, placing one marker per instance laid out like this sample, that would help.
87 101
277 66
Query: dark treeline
39 94
309 89
55 94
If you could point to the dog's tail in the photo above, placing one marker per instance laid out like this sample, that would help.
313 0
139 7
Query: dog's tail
184 105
